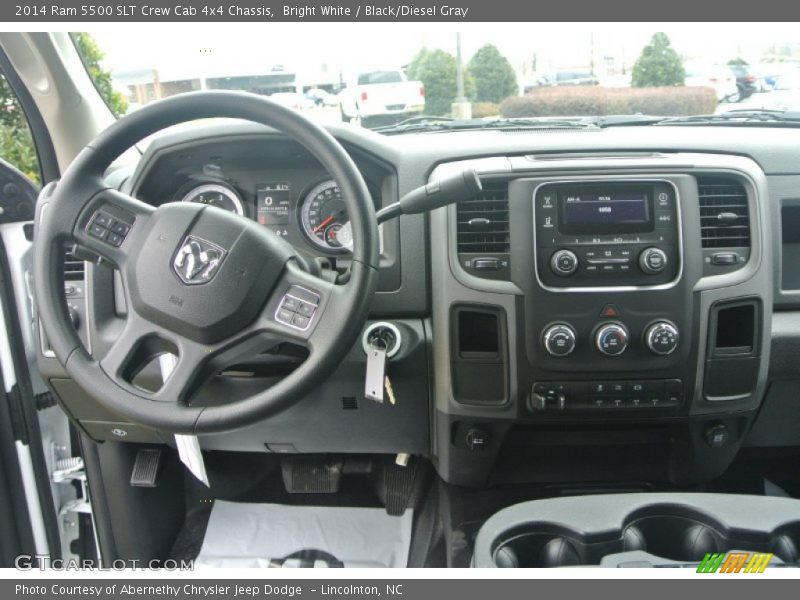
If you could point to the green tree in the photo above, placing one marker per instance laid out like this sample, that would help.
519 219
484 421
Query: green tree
494 76
436 69
16 141
658 65
91 54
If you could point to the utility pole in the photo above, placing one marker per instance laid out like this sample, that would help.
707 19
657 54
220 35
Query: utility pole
461 108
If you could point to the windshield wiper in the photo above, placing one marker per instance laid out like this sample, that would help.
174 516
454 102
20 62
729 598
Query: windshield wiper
434 124
738 116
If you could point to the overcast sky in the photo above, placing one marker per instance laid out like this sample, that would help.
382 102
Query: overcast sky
245 47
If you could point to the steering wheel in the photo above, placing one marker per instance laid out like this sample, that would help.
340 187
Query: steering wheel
203 284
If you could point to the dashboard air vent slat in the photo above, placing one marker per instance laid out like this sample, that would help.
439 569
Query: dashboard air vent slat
483 221
73 267
724 214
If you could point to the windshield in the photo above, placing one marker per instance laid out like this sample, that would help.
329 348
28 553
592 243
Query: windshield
373 77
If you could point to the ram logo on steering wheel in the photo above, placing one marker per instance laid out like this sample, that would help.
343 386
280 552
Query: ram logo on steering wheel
197 260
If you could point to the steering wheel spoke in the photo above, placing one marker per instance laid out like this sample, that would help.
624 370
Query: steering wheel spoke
110 225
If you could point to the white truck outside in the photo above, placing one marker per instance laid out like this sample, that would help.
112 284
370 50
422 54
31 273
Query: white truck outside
381 93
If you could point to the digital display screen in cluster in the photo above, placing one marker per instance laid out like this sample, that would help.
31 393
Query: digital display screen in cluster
273 202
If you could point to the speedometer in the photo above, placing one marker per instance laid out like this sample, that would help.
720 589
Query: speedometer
215 194
324 218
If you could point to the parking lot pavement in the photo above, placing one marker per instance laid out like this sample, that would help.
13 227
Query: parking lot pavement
774 100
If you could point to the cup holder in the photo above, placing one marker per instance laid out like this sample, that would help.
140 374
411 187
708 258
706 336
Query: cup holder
539 550
675 537
595 531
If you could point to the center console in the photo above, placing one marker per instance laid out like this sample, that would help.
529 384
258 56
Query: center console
620 305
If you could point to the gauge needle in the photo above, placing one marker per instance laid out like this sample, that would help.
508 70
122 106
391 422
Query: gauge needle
324 224
328 221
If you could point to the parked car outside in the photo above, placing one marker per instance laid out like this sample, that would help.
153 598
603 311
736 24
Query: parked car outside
718 77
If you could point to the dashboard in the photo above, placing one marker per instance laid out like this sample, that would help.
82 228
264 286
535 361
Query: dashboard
615 305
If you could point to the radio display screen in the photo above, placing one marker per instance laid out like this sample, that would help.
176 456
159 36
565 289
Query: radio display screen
616 210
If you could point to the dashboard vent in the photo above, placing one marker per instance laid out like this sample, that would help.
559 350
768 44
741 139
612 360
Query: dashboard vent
483 221
724 216
73 267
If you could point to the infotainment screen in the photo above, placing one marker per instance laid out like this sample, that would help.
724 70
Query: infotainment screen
610 210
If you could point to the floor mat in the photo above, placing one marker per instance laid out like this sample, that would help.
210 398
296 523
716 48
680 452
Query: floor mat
275 535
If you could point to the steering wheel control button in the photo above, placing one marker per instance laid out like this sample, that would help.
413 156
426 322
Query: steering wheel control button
120 228
297 307
661 338
300 322
564 263
109 228
102 219
305 309
559 340
652 261
285 315
612 339
97 231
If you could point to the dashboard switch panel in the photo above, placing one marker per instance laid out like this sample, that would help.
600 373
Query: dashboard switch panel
606 395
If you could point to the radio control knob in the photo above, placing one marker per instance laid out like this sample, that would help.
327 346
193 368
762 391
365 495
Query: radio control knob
611 339
662 338
564 263
559 340
652 260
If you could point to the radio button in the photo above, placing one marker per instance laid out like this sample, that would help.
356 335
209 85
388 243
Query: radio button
652 260
564 263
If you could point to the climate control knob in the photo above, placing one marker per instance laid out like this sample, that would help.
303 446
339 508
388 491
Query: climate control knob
652 261
564 263
661 338
611 339
559 339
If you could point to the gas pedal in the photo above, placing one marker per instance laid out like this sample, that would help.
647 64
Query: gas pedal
145 468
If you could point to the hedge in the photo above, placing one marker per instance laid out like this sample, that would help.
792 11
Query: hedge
579 101
485 109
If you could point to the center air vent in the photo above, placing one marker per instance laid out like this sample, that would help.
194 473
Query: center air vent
483 221
73 267
724 216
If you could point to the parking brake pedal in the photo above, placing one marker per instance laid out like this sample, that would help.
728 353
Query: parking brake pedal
309 475
145 468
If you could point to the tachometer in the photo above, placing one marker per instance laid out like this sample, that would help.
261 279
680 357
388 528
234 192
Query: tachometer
324 218
215 194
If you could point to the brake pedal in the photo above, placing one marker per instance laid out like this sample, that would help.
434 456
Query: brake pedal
310 475
145 467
